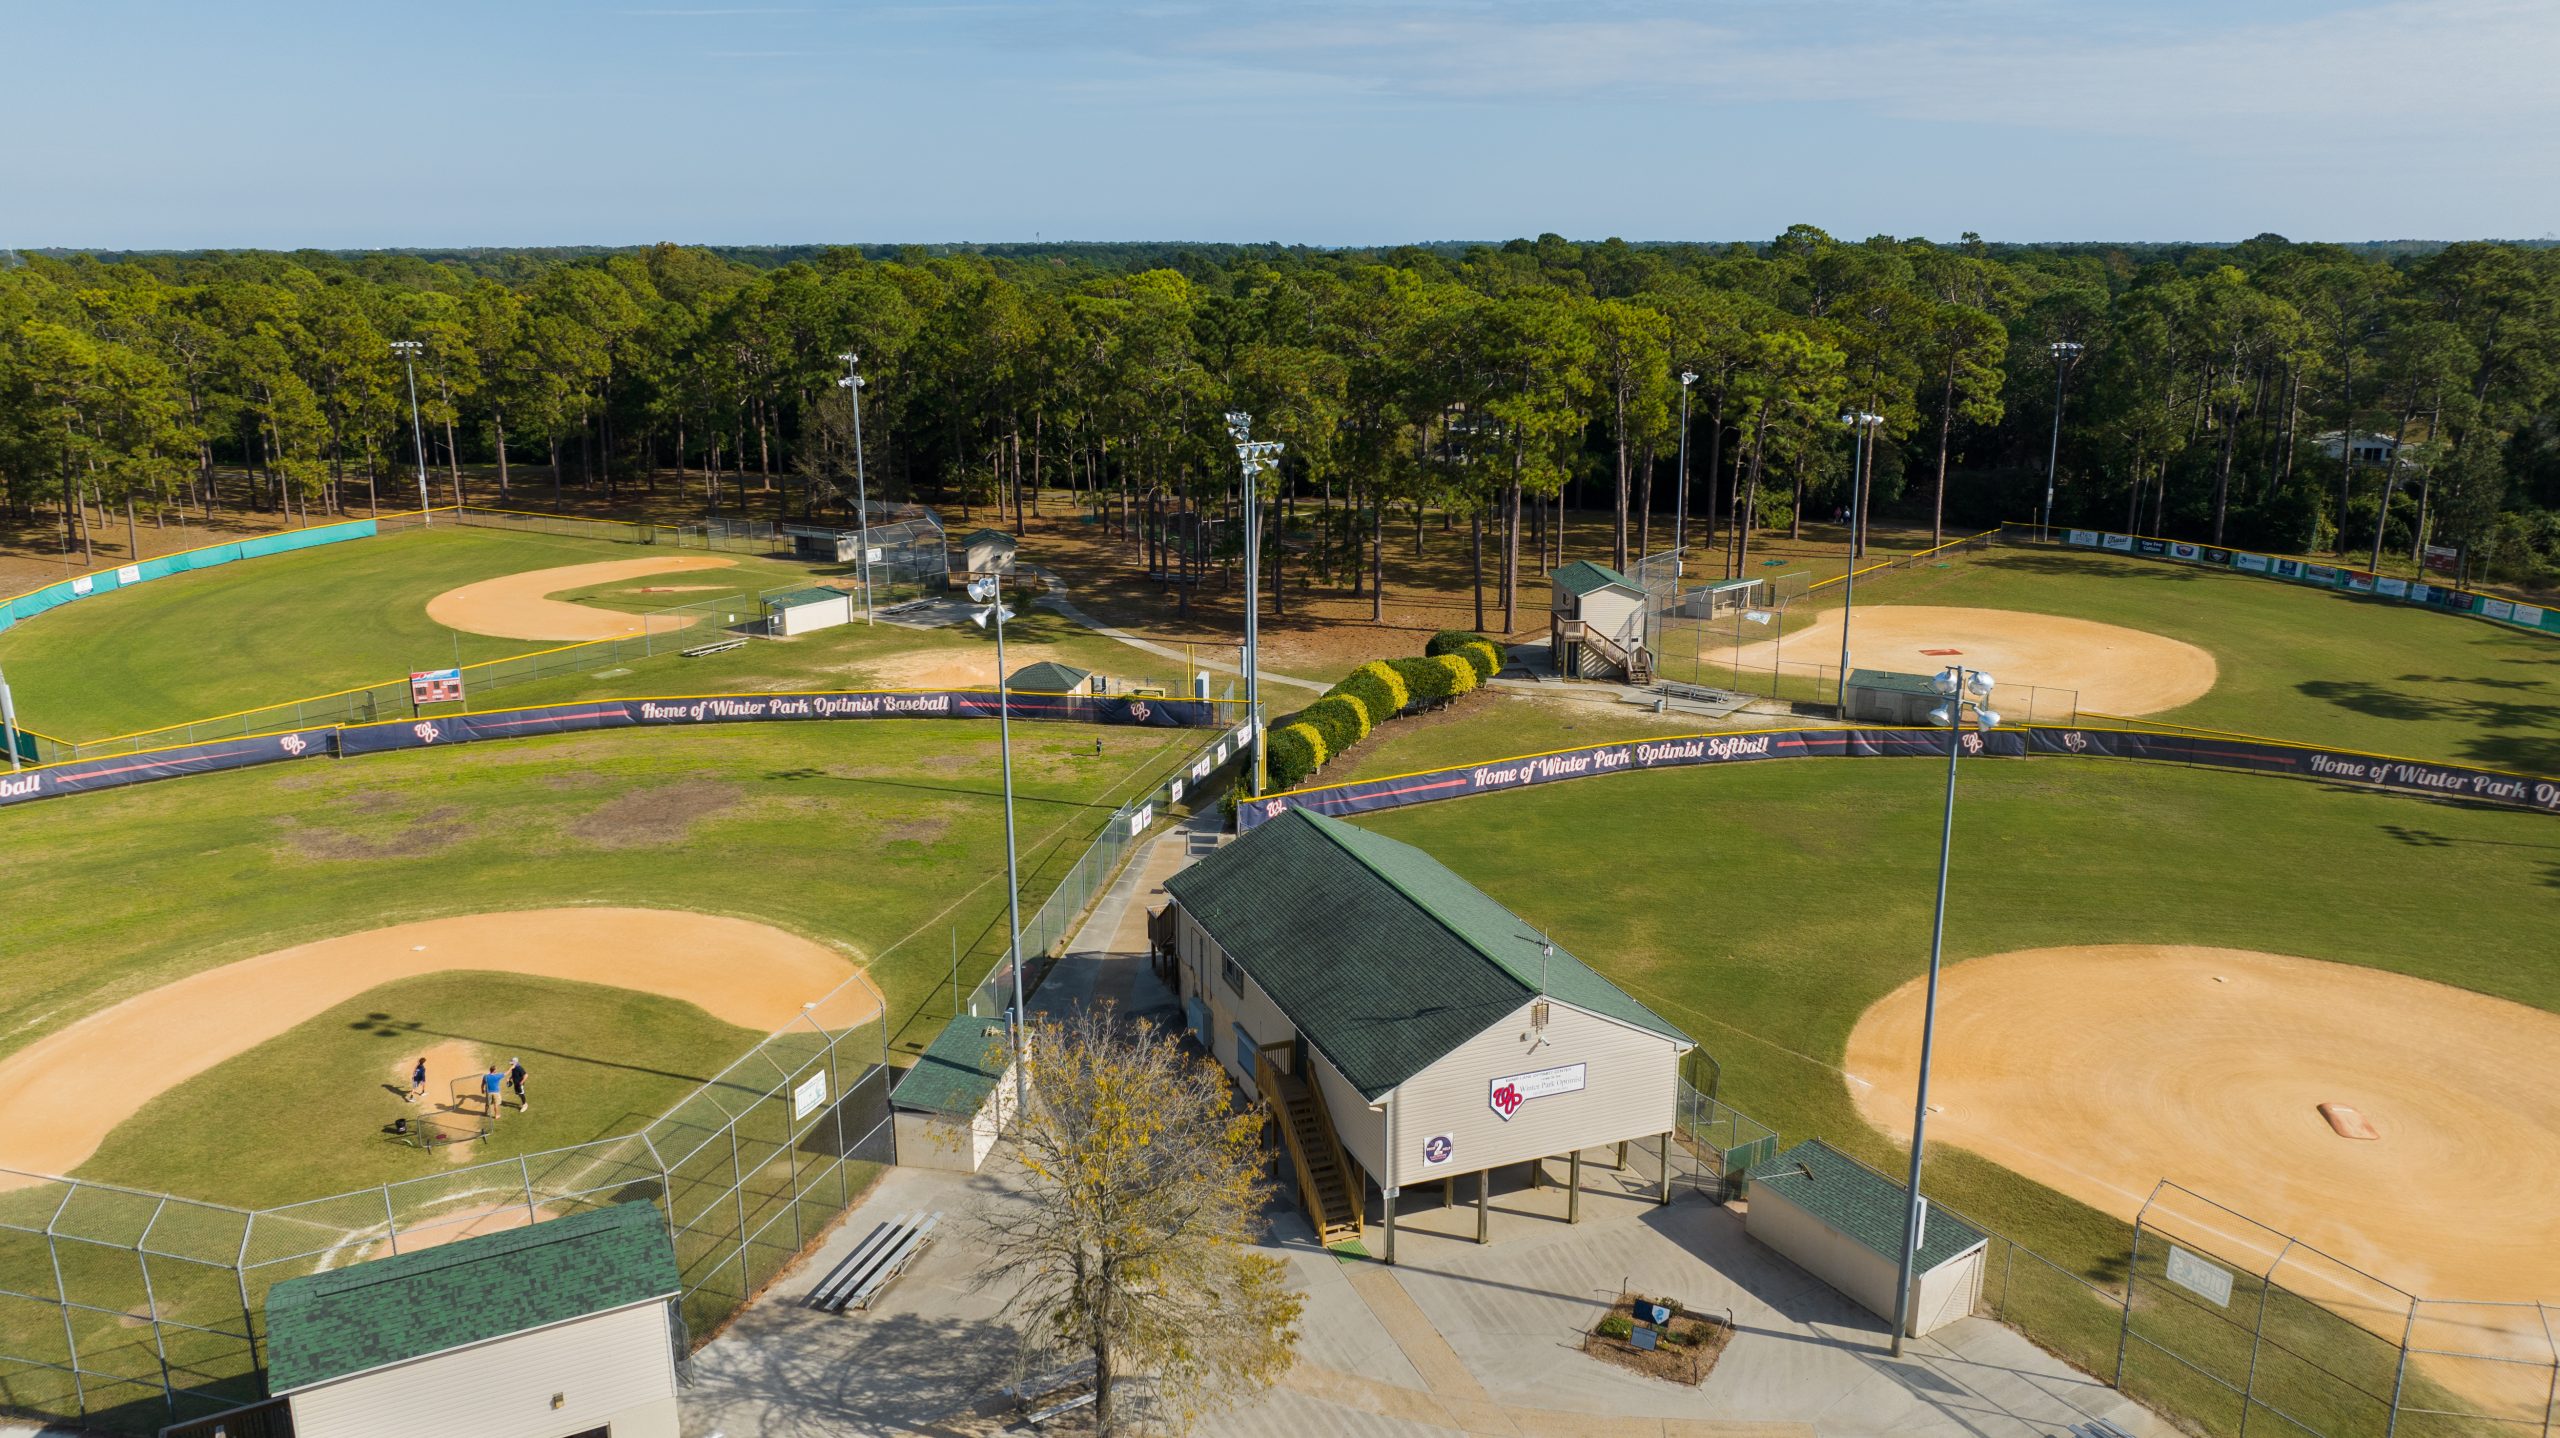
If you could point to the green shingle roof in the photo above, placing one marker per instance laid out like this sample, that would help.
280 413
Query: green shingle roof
956 1073
1376 952
325 1326
1049 677
998 535
1582 576
1860 1202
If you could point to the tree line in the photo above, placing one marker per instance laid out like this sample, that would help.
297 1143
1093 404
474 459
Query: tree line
2295 397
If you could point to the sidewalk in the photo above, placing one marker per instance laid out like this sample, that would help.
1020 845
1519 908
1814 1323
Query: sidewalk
1456 1339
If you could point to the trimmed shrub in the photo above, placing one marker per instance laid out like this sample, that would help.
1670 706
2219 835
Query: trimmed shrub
1379 689
1339 721
1295 751
1486 656
1450 641
1426 681
1618 1326
1462 674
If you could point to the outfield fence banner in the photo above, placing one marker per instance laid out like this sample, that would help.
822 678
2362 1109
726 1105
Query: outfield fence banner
84 775
126 1311
2235 752
107 581
2342 578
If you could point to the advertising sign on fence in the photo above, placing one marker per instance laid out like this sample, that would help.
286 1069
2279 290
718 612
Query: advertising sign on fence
2209 1281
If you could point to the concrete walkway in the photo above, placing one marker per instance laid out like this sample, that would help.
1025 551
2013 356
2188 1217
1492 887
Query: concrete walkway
1458 1338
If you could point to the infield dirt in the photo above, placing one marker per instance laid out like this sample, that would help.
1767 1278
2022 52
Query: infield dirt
63 1094
2100 1071
516 606
2116 670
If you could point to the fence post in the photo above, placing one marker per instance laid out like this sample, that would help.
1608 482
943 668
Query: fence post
2257 1336
2400 1374
62 1297
532 1215
2551 1402
738 1192
2132 1280
2008 1273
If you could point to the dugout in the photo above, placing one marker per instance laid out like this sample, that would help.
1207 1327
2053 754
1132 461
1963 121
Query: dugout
804 610
1880 696
1711 601
1402 1026
1050 677
565 1327
822 545
952 1106
1842 1222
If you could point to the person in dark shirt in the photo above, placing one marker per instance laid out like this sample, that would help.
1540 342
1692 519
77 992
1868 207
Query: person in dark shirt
417 1081
515 1080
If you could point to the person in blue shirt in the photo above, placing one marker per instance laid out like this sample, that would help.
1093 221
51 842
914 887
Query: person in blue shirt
490 1083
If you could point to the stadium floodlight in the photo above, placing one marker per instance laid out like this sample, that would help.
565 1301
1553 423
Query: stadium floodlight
1863 423
1256 458
408 352
852 384
2064 352
1963 689
1680 489
987 591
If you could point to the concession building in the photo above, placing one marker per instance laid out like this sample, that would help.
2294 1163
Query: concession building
1402 1025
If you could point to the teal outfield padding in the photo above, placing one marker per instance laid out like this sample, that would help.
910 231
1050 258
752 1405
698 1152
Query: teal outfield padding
89 586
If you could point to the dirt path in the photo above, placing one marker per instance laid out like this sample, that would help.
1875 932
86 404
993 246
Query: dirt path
513 606
2116 670
2101 1070
61 1095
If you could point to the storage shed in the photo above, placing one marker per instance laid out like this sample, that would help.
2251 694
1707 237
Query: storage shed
1050 677
1842 1222
1595 624
803 610
953 1105
1401 1024
562 1329
989 551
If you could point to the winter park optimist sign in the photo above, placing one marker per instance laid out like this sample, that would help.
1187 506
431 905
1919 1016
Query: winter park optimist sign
1508 1095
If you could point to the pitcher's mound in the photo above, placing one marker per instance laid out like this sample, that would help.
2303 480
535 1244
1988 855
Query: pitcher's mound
2114 669
2100 1071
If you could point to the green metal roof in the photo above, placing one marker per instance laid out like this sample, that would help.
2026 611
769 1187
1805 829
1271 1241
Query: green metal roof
1050 677
1377 953
1860 1202
995 534
957 1071
1582 576
326 1326
798 597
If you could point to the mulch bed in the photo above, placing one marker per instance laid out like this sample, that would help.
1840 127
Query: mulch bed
1685 1349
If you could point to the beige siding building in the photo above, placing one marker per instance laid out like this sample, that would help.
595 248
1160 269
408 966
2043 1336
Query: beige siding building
1595 623
1402 1025
564 1329
958 1099
1843 1223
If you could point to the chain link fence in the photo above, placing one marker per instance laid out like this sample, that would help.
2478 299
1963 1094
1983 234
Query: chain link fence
125 1311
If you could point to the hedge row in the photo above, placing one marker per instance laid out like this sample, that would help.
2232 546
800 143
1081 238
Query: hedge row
1380 690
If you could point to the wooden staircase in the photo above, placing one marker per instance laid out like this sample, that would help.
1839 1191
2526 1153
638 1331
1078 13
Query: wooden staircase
1331 1188
1634 661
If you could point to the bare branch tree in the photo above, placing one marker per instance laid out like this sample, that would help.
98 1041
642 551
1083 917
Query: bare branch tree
1134 1247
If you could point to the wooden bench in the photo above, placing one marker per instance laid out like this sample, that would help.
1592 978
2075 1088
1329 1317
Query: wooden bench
723 647
881 1256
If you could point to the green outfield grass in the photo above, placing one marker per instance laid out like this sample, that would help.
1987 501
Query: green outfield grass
305 1112
2296 663
884 838
266 630
1765 907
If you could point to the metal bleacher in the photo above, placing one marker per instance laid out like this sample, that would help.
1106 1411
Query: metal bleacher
874 1263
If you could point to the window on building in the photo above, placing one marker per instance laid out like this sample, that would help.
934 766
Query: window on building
1234 973
1244 1050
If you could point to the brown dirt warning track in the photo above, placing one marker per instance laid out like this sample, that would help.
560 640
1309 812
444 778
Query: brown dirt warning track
744 973
2099 1071
2116 670
517 606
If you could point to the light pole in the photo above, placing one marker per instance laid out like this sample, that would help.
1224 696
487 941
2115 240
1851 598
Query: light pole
989 591
1680 505
2064 351
408 352
852 385
1961 688
1255 457
1862 422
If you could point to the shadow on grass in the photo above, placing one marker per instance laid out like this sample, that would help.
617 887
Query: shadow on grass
387 1026
2093 566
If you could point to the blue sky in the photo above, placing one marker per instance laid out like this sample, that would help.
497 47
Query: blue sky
565 121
